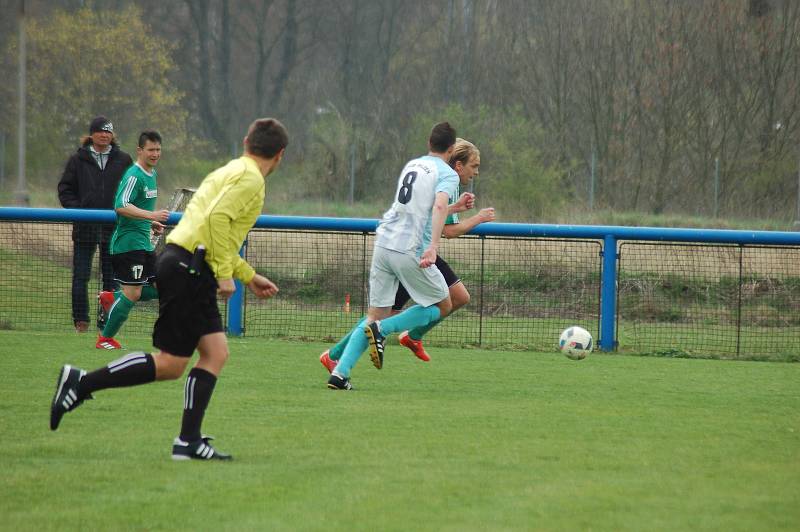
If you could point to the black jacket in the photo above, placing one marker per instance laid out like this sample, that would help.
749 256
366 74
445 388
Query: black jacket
84 186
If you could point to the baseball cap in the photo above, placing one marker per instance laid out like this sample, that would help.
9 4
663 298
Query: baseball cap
100 123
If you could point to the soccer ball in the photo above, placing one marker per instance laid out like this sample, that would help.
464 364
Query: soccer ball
575 342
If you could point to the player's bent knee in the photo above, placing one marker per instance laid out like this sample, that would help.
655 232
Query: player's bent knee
379 313
445 307
132 292
459 298
213 349
169 367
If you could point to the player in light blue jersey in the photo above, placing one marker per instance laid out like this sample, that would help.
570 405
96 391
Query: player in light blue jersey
466 161
406 245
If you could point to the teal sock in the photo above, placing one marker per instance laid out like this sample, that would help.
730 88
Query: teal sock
410 318
335 352
418 332
149 292
352 352
117 315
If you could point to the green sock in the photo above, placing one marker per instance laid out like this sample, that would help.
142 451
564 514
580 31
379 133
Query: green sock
117 315
149 292
418 332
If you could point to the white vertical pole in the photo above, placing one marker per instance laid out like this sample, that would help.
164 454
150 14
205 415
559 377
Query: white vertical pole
716 186
352 171
2 159
591 180
797 215
21 194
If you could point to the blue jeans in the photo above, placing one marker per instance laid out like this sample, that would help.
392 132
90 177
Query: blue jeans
82 255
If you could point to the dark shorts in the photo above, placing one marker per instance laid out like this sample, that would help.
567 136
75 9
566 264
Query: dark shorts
134 267
449 275
187 303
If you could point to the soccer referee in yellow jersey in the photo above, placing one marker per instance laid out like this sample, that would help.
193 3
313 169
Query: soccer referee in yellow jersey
200 261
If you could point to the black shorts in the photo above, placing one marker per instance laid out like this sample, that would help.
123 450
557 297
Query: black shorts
134 267
450 277
187 303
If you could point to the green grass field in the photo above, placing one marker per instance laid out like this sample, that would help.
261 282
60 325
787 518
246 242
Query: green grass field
474 440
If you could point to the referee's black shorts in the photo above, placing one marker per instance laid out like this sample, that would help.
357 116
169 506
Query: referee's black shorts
187 303
450 277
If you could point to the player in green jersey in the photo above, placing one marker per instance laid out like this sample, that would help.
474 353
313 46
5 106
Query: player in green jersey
130 247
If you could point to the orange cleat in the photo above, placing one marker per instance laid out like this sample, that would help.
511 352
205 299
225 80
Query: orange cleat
105 300
107 343
415 346
325 360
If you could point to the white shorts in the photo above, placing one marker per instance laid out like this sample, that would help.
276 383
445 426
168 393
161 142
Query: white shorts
426 286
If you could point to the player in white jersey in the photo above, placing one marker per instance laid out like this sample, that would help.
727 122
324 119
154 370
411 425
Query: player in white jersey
406 244
466 161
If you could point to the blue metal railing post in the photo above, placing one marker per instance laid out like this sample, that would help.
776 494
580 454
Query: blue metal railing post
608 294
236 303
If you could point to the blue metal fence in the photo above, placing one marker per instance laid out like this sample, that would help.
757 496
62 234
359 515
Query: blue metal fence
608 238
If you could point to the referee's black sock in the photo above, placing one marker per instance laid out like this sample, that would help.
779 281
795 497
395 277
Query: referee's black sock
196 396
130 370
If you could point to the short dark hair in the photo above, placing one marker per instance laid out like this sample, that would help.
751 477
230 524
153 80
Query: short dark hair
149 134
266 137
442 137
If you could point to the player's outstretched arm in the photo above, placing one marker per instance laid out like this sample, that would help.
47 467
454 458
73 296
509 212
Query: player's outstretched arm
464 226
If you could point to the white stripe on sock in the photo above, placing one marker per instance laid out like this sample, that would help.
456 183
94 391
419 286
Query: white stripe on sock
129 363
110 310
138 357
188 401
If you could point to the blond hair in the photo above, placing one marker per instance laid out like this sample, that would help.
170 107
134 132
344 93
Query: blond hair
463 151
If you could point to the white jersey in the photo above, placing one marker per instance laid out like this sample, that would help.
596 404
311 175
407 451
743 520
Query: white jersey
406 226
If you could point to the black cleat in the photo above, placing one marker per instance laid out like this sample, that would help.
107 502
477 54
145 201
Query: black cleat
376 341
197 450
66 396
337 382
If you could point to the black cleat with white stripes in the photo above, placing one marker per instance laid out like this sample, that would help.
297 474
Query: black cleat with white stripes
337 382
197 450
66 396
376 343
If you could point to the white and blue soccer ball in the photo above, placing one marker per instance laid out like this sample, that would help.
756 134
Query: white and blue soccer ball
576 342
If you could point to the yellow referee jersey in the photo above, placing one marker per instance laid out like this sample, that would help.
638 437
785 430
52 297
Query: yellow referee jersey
220 214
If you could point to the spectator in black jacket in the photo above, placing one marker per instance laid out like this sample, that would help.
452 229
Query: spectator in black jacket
90 181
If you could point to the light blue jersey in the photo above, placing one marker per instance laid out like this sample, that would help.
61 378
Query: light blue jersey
406 226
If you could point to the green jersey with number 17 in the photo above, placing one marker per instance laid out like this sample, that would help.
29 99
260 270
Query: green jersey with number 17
137 188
